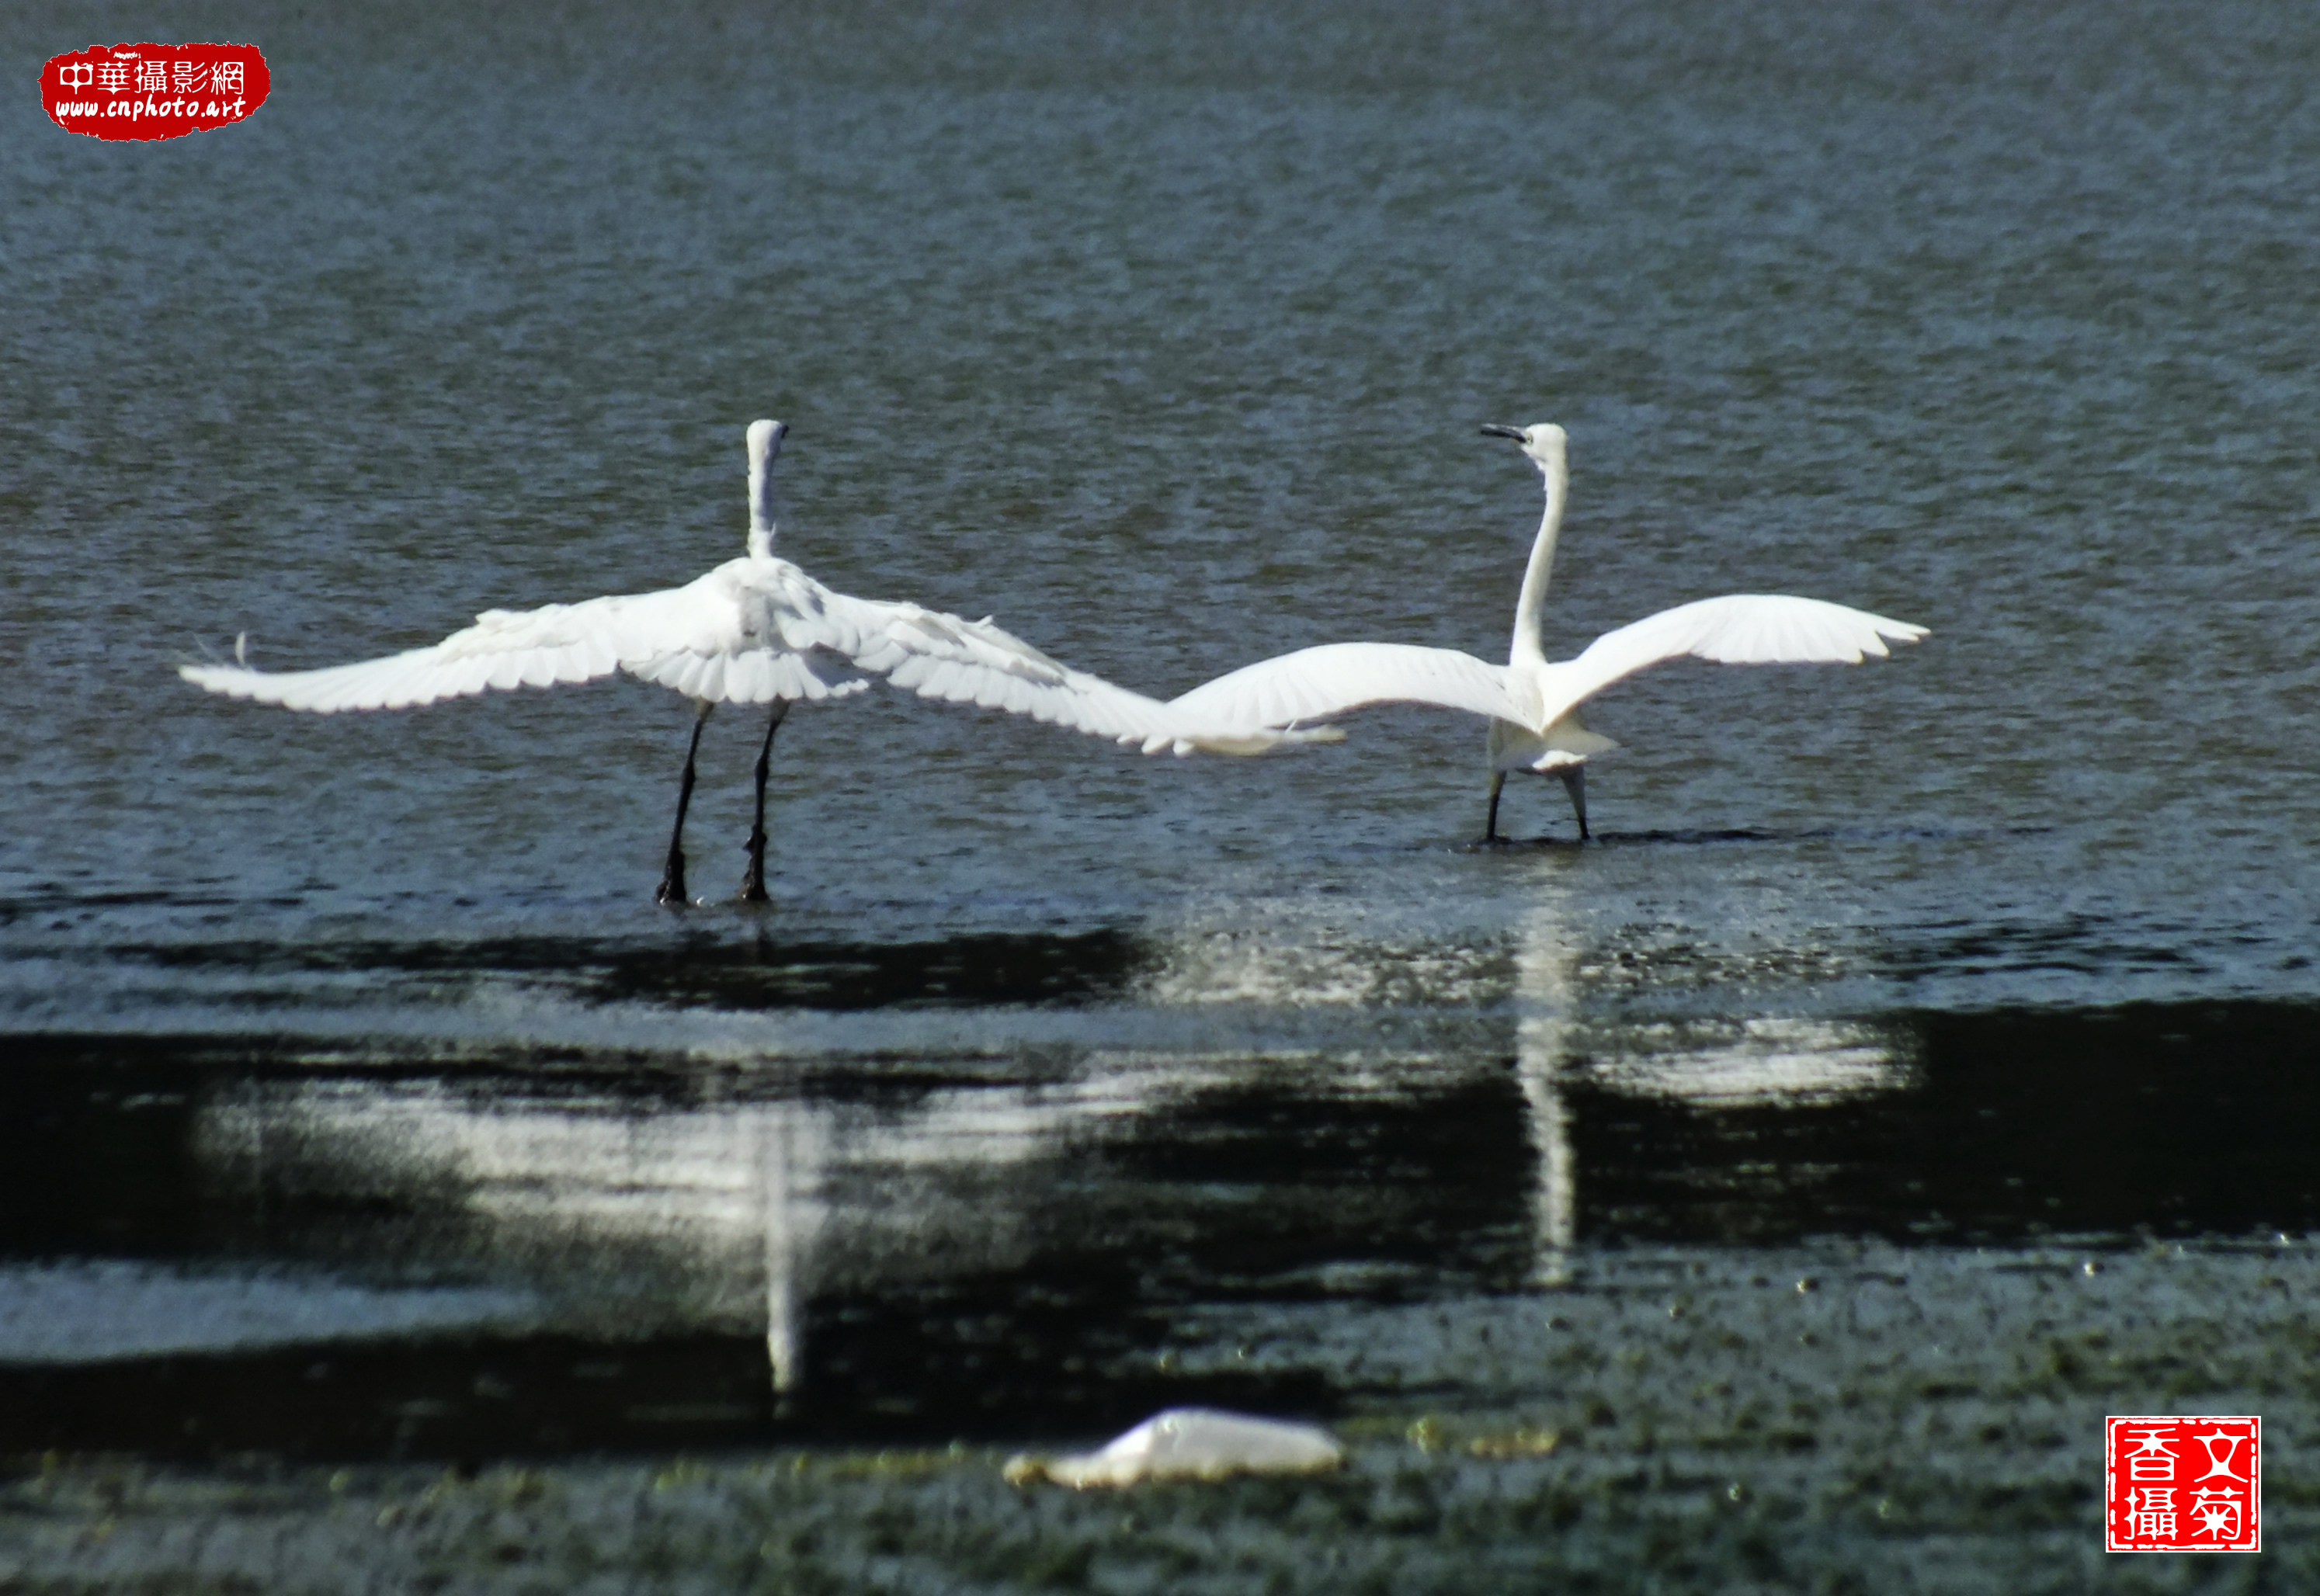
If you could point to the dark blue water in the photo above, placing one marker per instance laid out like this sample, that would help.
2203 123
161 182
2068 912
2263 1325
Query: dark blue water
1165 340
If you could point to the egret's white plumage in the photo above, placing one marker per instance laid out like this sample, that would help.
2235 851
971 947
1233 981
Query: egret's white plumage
755 630
1533 702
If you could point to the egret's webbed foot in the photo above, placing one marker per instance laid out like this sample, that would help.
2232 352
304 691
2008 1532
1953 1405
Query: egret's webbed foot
753 880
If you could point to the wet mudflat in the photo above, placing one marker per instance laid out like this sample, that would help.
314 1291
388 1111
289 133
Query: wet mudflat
226 1247
1839 1418
1821 1306
392 1196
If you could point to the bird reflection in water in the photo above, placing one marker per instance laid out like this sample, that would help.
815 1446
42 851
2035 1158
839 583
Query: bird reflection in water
1546 962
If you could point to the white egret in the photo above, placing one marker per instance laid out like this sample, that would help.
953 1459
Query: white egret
1533 702
755 630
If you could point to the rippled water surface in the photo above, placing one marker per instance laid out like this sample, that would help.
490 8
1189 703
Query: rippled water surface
356 1044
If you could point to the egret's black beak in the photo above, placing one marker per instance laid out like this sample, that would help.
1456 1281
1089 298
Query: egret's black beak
1494 431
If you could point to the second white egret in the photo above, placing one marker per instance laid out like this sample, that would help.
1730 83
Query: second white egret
1531 702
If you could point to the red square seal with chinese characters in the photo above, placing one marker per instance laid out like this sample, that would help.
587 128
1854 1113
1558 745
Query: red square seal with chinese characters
2174 1483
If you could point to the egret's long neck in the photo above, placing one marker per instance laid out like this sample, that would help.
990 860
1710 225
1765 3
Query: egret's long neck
764 442
761 510
1530 608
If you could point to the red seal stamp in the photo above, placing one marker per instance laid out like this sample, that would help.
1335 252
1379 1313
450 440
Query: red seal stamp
2172 1484
153 91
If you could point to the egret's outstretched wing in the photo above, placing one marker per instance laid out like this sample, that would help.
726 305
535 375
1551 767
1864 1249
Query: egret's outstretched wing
1735 629
691 638
1316 683
964 662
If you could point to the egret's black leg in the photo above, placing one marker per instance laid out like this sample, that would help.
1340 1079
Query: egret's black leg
753 883
1490 821
672 875
1575 782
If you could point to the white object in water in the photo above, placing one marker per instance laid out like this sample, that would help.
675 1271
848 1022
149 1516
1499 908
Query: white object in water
1533 703
1191 1444
755 630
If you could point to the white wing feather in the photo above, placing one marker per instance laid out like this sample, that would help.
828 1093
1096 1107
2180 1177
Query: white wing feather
1316 683
750 631
1735 629
963 662
713 639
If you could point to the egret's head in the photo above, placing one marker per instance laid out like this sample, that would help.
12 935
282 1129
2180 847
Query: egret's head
764 442
1542 442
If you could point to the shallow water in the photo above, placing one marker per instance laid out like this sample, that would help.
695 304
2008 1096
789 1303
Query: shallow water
1164 341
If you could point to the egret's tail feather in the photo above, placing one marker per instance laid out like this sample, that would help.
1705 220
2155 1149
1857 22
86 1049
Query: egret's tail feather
1564 745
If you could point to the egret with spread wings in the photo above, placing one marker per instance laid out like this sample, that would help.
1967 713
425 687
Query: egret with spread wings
1533 702
755 630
